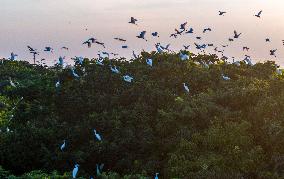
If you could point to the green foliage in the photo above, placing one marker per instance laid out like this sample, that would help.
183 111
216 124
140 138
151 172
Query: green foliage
220 129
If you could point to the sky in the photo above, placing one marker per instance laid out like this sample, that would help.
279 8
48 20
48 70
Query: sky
59 23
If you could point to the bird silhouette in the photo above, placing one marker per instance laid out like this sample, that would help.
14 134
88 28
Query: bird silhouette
13 56
245 48
272 52
186 47
100 43
48 49
222 13
142 35
183 56
120 39
155 34
182 26
133 21
267 40
236 35
258 14
189 31
207 29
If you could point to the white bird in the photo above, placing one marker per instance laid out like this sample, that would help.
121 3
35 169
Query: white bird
279 71
225 77
186 88
97 135
114 69
127 78
184 56
57 84
75 74
100 62
156 176
13 56
99 169
63 145
75 170
12 83
149 62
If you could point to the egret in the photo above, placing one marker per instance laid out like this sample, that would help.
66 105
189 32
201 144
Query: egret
12 83
182 26
225 77
75 170
156 176
120 39
62 147
99 169
97 135
186 47
57 84
127 78
184 56
114 70
207 29
93 40
61 61
149 62
190 31
272 52
74 73
186 88
13 56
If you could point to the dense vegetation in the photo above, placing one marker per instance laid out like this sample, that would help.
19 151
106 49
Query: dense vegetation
220 129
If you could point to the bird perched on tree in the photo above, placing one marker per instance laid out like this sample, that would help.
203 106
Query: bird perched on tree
258 14
156 176
127 78
149 62
75 171
186 88
225 77
62 147
98 137
114 69
183 56
13 56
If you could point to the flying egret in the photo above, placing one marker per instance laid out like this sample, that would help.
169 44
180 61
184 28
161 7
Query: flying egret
236 35
97 135
186 88
127 78
221 13
155 34
189 31
149 62
75 170
258 14
133 21
142 35
48 49
62 147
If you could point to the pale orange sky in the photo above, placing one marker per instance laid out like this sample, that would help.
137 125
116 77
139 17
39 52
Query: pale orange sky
58 23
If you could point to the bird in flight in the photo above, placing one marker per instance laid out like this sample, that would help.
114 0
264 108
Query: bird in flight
182 26
258 14
189 31
267 40
186 47
120 39
155 34
100 43
222 13
114 69
133 21
48 49
13 56
64 48
272 52
245 48
236 35
142 35
207 29
88 43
